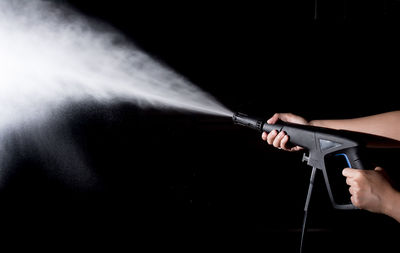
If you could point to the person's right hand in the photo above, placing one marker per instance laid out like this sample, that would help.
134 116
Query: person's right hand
280 140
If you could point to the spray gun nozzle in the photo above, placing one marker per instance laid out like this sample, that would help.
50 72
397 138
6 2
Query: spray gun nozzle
244 120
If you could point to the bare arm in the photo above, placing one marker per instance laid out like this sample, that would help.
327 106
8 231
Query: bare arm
392 207
385 124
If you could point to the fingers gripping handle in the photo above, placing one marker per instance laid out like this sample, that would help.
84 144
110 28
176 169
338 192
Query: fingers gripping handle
299 135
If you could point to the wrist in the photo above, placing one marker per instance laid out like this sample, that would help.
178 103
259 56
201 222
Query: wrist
391 204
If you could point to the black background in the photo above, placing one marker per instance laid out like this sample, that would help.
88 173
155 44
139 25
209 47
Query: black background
181 181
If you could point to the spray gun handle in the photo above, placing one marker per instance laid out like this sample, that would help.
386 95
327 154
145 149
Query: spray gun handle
357 158
299 135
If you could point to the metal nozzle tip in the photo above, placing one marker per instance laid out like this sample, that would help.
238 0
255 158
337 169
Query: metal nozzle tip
238 115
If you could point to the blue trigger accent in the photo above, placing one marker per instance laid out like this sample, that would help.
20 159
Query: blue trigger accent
347 159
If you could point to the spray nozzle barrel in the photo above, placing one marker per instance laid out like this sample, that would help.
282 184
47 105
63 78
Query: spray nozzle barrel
254 123
244 120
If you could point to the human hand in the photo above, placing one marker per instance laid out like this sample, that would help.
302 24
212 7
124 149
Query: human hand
370 189
280 140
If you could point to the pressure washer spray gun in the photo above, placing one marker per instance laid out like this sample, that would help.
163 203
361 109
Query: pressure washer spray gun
328 150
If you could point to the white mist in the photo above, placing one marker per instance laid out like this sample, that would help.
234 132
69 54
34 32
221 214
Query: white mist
51 56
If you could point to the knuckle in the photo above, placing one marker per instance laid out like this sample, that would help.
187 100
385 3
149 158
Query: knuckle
270 138
356 201
358 176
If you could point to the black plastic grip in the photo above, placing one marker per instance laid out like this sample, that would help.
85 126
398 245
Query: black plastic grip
337 188
357 158
271 127
299 135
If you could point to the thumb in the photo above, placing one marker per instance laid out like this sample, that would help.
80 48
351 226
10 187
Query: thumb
274 118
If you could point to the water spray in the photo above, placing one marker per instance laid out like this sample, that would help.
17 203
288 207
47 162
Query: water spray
52 57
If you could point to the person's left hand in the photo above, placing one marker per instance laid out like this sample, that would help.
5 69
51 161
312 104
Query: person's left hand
370 189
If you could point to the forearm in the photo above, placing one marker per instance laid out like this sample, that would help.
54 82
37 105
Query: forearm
384 124
392 205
